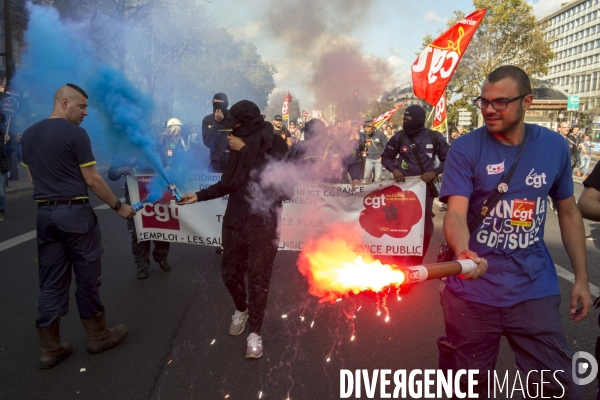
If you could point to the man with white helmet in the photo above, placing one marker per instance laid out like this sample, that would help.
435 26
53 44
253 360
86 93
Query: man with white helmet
172 146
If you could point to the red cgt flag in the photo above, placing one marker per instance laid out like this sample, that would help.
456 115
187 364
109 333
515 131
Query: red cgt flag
440 121
285 110
383 118
432 71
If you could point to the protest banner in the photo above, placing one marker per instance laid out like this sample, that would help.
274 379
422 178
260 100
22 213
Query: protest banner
388 214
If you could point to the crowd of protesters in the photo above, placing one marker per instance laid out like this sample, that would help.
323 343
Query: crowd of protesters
242 143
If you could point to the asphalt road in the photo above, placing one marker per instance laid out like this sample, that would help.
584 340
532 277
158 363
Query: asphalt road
178 345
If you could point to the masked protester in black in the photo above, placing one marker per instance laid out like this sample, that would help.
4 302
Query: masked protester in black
250 236
323 158
213 139
428 145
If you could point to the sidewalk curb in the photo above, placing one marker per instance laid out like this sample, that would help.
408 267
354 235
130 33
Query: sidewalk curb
10 192
29 187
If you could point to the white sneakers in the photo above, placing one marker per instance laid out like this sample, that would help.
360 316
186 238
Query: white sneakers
255 346
239 322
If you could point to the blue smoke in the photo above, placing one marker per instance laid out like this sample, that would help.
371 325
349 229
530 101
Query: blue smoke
57 53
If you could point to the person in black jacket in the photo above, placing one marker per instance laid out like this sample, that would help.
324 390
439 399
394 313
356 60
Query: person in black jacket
213 139
249 231
321 157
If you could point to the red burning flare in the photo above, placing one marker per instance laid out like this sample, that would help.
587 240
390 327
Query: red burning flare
334 269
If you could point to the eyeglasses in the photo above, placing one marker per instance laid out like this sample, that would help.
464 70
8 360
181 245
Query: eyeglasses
498 104
367 126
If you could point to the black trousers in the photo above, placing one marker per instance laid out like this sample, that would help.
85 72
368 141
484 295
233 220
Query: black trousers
249 251
141 250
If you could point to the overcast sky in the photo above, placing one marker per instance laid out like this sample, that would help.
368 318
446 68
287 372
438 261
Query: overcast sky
390 30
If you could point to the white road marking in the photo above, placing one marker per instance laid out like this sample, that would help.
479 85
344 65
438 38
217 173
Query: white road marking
17 240
7 244
569 276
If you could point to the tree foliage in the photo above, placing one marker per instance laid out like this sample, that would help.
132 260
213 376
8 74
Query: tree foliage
171 49
508 35
452 113
276 104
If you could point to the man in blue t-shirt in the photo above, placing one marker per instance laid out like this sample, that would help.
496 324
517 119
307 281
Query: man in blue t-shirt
514 290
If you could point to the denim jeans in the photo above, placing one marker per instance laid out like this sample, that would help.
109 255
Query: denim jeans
3 178
584 164
369 166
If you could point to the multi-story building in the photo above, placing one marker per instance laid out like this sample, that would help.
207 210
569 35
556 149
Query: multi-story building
574 34
405 92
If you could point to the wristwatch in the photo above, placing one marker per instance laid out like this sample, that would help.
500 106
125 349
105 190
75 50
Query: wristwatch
117 205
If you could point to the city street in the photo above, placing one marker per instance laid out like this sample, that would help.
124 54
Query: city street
179 347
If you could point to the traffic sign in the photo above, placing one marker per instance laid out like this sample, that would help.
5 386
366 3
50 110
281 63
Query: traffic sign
464 117
573 103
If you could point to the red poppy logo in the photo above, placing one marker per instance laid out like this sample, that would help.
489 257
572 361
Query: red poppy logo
390 211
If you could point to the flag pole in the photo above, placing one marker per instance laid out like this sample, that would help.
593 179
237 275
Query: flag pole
430 114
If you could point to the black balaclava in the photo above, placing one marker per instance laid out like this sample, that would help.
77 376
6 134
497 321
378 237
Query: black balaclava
220 105
257 136
314 128
417 123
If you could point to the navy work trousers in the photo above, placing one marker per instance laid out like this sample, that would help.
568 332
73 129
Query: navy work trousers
68 235
249 250
534 332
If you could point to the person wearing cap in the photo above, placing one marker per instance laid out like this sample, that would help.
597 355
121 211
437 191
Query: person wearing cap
249 230
212 137
58 158
279 129
372 144
427 145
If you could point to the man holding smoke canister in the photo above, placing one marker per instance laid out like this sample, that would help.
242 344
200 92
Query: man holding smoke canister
249 232
57 154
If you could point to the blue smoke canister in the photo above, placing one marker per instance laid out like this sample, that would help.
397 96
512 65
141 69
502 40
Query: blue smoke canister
174 192
138 206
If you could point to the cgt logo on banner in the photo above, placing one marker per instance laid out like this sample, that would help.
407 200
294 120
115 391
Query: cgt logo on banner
160 215
388 215
390 211
432 71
